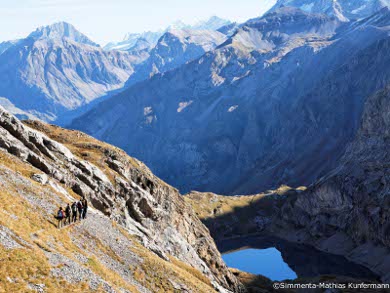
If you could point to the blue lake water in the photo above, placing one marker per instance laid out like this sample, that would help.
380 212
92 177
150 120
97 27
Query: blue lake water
279 260
267 262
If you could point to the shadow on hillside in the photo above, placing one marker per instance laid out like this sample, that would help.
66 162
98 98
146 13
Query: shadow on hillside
239 230
245 220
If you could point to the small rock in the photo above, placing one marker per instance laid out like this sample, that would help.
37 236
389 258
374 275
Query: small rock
37 287
41 178
10 280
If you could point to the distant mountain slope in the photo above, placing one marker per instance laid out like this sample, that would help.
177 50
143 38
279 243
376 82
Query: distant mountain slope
57 69
275 104
61 30
213 23
342 9
130 39
175 48
207 118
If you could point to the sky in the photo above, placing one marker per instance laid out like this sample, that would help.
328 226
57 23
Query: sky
109 20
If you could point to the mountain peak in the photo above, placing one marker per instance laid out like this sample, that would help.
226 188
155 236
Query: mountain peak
177 25
61 30
213 23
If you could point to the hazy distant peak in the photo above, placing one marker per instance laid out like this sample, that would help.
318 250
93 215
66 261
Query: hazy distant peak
213 23
344 10
61 30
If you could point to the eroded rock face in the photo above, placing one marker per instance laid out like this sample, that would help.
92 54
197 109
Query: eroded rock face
347 212
133 197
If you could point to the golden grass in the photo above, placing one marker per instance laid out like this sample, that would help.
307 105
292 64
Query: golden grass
31 264
15 164
252 282
194 272
90 149
155 273
210 205
28 265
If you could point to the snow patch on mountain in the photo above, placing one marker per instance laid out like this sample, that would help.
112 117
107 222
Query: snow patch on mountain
61 30
130 39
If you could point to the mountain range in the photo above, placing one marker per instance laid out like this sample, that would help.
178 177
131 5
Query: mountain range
213 23
57 69
231 109
57 73
255 112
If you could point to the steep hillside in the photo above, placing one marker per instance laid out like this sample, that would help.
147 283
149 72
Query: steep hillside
347 211
139 236
57 69
238 216
275 104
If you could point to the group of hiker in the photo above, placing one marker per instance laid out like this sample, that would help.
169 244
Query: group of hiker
69 215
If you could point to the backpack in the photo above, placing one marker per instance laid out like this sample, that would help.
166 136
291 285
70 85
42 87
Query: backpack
60 214
74 208
79 205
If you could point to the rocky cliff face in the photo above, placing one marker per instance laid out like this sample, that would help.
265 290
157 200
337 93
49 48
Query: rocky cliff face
347 211
124 190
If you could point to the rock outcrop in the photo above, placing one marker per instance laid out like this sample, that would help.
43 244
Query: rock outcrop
347 211
122 188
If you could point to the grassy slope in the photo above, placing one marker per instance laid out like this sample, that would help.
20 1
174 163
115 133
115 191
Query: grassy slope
27 208
228 216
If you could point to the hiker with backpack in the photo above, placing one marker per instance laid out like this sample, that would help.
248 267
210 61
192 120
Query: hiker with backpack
80 209
74 212
60 216
85 207
67 214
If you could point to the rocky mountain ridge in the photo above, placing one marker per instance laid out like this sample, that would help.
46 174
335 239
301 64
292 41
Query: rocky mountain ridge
130 39
175 48
118 188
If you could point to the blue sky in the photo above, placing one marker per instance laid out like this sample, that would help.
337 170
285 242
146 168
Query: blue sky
109 20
